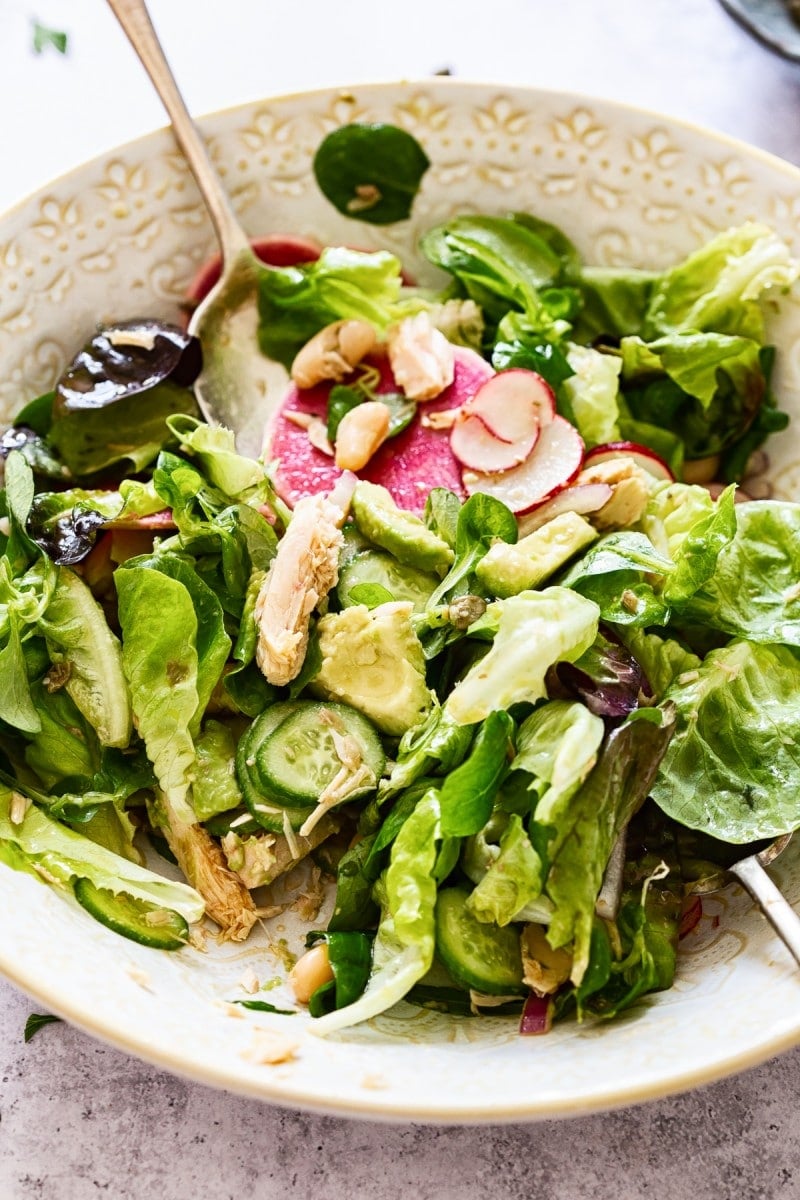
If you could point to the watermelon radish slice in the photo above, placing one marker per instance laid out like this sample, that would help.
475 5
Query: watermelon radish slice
643 456
408 465
474 445
582 499
513 404
556 459
276 250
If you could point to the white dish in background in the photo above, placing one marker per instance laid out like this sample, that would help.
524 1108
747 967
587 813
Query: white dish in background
122 236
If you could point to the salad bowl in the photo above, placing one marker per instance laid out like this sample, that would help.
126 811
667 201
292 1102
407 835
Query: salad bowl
123 236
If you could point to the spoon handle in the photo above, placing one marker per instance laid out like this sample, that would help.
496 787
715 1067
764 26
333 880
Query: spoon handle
135 21
775 907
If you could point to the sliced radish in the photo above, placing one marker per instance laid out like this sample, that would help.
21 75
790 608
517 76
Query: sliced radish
408 465
643 456
477 447
513 404
556 459
582 499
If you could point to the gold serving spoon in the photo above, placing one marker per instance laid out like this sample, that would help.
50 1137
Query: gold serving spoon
238 385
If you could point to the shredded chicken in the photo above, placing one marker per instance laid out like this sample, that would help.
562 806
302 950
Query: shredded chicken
629 492
311 897
544 969
302 573
422 359
259 861
228 902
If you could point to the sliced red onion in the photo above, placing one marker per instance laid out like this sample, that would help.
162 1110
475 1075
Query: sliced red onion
537 1015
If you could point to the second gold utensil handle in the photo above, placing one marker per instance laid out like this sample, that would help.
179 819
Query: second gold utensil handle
775 907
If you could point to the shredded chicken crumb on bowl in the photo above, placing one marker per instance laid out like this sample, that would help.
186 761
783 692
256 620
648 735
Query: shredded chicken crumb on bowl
319 743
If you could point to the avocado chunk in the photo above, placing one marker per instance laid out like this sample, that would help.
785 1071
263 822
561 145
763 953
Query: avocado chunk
401 533
373 661
508 570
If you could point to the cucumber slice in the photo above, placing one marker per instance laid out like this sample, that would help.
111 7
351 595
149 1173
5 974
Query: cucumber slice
298 760
267 810
378 567
480 956
164 930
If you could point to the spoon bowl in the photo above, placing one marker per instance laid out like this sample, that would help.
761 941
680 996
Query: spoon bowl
238 385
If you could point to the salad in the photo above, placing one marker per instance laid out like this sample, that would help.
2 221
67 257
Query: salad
475 638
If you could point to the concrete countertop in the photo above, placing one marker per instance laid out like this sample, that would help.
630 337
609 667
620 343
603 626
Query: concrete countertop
78 1119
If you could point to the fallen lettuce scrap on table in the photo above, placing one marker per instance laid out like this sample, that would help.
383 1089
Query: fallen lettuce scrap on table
466 638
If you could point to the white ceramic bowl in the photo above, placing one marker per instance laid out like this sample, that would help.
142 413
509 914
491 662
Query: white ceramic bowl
122 236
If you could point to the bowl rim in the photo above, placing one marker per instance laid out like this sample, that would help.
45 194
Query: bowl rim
375 1106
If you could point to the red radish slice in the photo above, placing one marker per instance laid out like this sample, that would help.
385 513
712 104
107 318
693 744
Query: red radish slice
477 447
582 499
556 459
276 250
514 404
643 456
409 465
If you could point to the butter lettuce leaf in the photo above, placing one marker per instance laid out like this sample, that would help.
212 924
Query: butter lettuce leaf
534 631
718 286
754 591
404 943
159 657
51 850
512 881
614 791
733 766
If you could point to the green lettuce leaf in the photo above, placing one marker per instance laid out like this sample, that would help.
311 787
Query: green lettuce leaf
215 789
296 302
592 392
535 630
718 286
468 791
662 658
214 447
597 815
80 641
62 855
512 881
499 262
211 641
159 628
733 766
557 747
619 574
754 591
404 943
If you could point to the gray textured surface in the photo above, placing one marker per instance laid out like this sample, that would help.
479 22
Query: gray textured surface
78 1119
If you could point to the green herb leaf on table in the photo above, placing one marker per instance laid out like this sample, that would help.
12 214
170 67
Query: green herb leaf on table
37 1021
44 37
